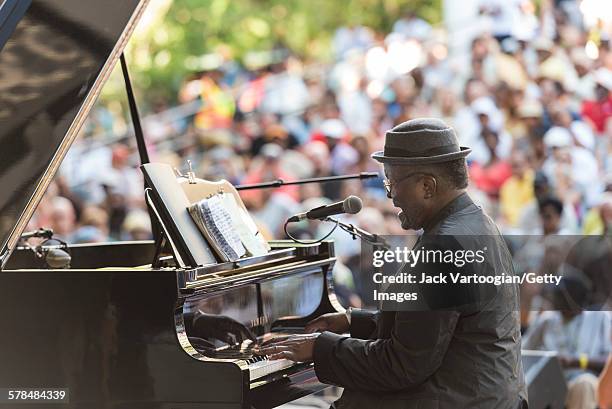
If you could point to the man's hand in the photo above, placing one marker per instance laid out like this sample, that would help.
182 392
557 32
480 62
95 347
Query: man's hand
298 348
333 321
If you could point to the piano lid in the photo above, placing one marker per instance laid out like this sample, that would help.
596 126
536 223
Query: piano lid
54 57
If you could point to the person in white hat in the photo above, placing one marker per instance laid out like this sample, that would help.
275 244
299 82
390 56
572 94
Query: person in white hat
570 167
530 112
583 65
581 133
342 154
491 120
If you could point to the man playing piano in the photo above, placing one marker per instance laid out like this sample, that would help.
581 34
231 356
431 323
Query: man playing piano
467 356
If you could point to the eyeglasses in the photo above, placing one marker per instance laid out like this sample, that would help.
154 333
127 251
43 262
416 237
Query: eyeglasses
389 186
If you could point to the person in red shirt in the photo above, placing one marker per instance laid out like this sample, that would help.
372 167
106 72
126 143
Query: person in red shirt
598 112
491 176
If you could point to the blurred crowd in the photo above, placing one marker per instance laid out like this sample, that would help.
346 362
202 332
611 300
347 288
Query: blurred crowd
531 94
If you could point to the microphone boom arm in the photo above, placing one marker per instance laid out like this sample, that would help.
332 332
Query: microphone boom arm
279 182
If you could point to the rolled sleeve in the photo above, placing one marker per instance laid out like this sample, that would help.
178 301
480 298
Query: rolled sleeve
323 356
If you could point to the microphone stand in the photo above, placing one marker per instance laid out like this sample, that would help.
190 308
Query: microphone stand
54 255
377 242
279 182
364 235
40 233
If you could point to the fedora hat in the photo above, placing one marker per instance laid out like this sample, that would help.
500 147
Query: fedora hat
421 141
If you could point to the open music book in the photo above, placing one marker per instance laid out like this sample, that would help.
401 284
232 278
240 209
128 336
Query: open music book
228 227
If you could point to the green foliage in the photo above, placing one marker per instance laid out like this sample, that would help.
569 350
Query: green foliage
193 28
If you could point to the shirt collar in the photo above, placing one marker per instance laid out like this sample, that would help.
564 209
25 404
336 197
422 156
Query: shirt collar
459 203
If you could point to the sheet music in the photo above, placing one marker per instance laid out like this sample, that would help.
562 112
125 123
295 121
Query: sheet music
215 221
255 244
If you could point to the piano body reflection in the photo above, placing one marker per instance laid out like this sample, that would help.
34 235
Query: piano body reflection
122 327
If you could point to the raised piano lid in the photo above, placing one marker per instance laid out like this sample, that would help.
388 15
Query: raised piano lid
54 57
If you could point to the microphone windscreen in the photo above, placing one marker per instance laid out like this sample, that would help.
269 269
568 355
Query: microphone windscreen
352 205
57 258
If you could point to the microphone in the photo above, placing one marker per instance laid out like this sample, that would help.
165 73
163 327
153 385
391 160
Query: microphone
350 205
55 253
58 258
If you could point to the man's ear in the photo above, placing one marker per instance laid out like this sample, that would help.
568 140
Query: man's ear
430 186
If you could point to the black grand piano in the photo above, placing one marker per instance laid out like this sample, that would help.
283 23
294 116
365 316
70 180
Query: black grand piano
123 326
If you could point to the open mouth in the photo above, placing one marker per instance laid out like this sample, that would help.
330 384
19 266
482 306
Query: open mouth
404 220
401 216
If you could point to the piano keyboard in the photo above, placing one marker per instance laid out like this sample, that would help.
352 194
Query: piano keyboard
260 366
